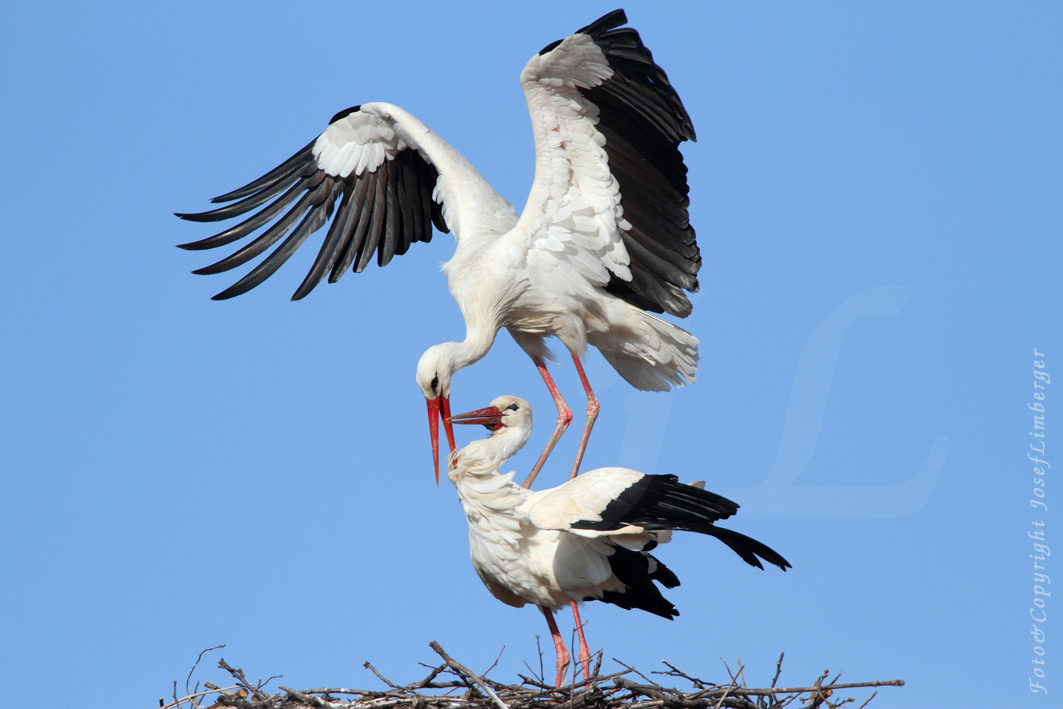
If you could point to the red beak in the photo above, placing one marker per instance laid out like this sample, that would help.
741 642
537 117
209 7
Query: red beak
439 408
491 417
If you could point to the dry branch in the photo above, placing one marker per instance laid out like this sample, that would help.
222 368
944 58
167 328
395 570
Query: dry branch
610 691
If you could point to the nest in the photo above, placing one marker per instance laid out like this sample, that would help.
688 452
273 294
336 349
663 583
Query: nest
462 688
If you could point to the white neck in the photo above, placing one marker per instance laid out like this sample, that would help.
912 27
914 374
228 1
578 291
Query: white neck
483 458
460 355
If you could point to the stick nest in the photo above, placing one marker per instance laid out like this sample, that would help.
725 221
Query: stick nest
451 685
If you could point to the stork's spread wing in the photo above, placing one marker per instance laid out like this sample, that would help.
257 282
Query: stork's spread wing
384 188
609 203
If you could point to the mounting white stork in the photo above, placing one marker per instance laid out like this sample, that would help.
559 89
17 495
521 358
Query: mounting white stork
603 238
585 540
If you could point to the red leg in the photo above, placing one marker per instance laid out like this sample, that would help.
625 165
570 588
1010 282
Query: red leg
564 418
593 407
584 651
559 646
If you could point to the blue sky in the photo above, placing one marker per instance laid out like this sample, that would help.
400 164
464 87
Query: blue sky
877 195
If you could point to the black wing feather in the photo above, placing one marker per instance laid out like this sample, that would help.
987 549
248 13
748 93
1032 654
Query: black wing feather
606 22
314 220
366 197
332 246
747 548
263 242
659 502
632 568
393 223
657 499
248 225
411 217
643 121
246 205
661 294
376 224
282 171
382 212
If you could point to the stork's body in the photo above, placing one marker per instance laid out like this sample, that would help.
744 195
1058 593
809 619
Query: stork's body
587 539
603 238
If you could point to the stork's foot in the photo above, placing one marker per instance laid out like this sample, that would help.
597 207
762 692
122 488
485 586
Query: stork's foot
562 670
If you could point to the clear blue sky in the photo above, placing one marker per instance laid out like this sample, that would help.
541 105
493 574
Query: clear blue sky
877 194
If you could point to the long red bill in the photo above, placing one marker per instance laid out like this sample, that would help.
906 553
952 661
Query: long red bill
490 417
445 413
439 408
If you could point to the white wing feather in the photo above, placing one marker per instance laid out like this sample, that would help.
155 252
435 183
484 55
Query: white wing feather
355 143
573 214
364 139
584 498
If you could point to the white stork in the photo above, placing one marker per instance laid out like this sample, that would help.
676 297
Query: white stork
603 238
585 540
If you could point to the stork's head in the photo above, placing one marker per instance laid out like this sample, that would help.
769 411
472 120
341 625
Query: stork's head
433 377
509 419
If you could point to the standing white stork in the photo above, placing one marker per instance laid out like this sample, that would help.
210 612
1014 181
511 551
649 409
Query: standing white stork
603 239
587 539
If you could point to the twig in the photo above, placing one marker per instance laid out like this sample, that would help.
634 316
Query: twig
535 681
632 669
868 700
196 664
673 671
306 698
461 668
819 696
238 674
496 661
427 680
642 689
188 698
799 690
734 683
383 679
339 690
542 669
729 673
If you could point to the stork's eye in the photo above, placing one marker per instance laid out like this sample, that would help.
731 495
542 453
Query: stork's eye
512 407
435 384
